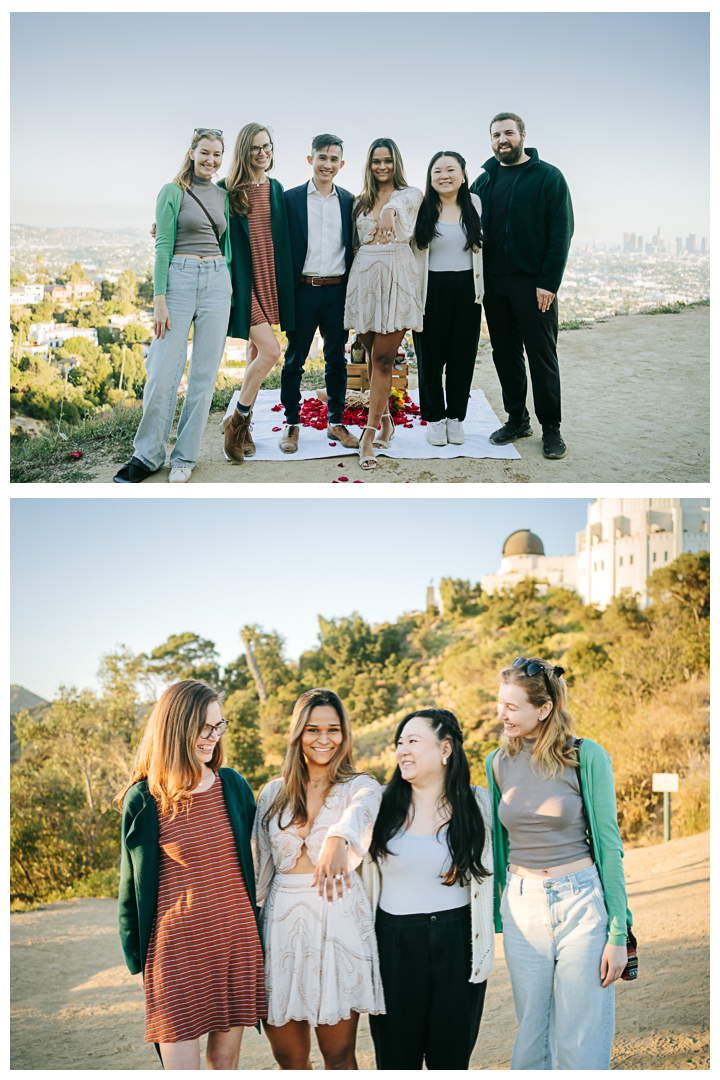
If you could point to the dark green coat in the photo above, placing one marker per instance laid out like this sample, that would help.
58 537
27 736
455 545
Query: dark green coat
140 864
242 272
540 220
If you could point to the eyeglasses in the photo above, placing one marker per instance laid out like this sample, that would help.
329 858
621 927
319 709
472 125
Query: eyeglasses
208 131
267 147
214 729
532 667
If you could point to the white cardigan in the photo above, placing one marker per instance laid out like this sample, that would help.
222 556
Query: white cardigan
423 259
481 897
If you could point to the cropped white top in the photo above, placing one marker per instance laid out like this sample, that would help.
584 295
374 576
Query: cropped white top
412 880
349 811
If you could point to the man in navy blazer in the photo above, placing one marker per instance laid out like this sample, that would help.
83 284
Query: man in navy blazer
321 240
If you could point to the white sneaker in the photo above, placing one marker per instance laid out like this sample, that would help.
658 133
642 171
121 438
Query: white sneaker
180 474
437 433
455 433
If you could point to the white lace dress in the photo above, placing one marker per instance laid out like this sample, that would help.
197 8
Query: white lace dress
321 960
384 286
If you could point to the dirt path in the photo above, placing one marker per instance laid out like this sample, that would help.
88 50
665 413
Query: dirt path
74 1006
635 403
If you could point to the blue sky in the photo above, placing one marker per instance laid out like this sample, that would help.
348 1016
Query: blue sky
89 574
103 105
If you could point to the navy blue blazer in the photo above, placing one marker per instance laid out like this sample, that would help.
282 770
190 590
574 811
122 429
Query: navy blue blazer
296 204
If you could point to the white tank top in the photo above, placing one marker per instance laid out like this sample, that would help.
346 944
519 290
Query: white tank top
412 881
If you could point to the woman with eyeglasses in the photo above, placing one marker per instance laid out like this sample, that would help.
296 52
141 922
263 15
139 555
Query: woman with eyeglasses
263 288
383 297
558 864
430 881
192 289
313 826
186 905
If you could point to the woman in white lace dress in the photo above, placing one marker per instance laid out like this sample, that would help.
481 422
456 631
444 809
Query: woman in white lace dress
312 828
384 287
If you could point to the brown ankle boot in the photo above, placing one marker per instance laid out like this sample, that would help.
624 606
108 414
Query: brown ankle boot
249 447
235 427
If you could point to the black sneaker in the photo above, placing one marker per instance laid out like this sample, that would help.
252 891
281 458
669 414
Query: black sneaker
553 446
510 432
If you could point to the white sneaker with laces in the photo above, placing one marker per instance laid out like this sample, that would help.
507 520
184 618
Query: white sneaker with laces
180 474
437 433
455 433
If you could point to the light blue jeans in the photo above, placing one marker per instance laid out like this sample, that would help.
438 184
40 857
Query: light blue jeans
554 933
197 289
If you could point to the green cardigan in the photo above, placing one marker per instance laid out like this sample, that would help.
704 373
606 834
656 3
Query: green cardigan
242 269
140 861
598 784
167 209
540 219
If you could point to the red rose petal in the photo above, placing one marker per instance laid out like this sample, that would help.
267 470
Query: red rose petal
423 423
332 444
408 425
340 479
357 481
277 429
76 455
341 466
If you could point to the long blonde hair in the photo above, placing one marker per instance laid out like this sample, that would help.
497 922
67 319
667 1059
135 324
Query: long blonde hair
552 753
368 196
294 773
186 173
166 755
241 177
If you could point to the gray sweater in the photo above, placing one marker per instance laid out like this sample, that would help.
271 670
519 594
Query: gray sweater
194 232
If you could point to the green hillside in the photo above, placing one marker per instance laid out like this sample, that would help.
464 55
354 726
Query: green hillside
638 683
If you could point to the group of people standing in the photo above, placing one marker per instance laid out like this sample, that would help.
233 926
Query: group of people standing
243 255
337 897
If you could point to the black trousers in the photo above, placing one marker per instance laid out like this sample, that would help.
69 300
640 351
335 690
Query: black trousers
433 1011
449 341
514 319
316 307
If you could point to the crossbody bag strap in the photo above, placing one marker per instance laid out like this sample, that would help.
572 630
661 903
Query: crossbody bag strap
578 744
202 207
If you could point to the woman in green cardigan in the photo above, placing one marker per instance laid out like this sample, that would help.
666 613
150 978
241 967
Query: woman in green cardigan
563 912
186 906
263 288
192 289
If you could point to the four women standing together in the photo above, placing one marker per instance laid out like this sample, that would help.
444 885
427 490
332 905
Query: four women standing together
417 267
374 900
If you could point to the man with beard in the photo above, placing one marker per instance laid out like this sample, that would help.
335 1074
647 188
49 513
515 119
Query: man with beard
527 222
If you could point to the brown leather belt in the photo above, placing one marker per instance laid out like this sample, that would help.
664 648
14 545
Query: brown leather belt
322 280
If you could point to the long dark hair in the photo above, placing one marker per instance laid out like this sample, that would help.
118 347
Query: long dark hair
466 828
429 212
368 196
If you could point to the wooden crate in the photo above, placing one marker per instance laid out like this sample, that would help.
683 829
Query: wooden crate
357 377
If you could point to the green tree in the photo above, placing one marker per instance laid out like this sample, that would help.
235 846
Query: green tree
43 312
75 272
146 289
42 275
134 333
185 656
461 599
686 582
17 278
126 288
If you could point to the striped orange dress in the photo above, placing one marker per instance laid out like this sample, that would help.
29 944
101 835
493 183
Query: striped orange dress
204 967
264 290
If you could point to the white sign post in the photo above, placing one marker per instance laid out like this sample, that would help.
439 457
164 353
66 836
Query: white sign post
665 782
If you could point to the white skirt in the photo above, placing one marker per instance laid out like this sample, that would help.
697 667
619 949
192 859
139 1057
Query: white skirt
383 292
321 961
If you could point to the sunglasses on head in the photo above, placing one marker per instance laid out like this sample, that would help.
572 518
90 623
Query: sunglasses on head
533 668
208 131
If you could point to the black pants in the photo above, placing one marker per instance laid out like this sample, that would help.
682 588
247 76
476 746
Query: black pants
433 1011
514 319
316 307
448 340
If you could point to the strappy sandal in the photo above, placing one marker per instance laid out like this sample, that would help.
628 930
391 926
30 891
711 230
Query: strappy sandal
367 463
383 444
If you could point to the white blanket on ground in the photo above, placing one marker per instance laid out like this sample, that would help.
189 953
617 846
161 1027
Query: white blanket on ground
412 442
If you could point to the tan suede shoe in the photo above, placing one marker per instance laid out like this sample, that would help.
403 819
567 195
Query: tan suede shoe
289 439
235 428
249 448
340 434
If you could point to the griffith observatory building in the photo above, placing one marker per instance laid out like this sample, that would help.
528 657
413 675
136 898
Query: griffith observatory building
623 541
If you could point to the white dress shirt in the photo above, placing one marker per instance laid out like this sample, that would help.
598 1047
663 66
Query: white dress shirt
326 245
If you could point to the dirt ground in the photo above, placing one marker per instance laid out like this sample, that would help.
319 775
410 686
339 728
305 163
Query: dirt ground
635 408
74 1006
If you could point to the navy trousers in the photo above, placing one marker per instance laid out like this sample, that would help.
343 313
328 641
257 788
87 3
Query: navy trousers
317 307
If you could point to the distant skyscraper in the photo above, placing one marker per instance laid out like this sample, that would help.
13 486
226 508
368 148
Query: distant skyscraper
628 242
678 245
690 244
703 246
639 246
649 249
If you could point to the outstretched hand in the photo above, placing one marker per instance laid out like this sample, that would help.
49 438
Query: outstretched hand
332 874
